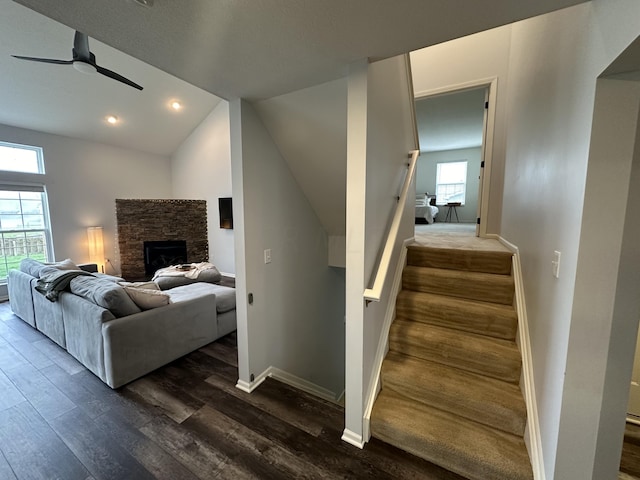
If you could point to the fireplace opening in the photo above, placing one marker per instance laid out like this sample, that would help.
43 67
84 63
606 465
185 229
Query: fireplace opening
160 254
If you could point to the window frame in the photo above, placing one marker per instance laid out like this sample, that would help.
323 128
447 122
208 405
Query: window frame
440 200
26 181
39 154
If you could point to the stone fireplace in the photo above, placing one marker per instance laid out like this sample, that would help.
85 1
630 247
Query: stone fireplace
168 221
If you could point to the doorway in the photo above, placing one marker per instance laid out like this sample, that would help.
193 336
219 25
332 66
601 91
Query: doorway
451 175
606 305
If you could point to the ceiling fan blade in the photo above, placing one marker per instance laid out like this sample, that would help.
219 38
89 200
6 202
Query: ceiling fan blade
81 47
44 60
117 77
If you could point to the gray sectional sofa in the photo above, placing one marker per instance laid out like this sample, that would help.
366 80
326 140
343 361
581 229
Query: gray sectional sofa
98 323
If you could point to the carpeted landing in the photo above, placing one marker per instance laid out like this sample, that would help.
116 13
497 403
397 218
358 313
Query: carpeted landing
450 389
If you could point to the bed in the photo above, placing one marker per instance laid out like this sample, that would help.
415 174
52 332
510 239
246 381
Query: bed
426 209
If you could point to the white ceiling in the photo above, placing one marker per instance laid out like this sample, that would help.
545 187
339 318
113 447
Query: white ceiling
58 99
258 49
253 49
450 122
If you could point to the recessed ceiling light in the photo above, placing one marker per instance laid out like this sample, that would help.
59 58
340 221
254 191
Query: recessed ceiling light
112 119
176 105
144 3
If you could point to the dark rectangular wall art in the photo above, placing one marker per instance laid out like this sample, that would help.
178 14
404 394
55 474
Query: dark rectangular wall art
226 212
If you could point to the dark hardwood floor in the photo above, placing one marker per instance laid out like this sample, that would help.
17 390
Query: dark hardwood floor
184 421
630 461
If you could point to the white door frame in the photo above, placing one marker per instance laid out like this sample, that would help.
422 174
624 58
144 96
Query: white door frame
491 84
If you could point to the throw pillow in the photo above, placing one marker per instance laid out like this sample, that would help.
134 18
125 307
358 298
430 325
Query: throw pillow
104 293
146 285
65 264
146 298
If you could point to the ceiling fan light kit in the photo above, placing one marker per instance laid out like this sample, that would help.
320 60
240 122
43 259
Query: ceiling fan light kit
83 60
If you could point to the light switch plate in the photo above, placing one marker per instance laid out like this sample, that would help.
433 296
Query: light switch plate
555 264
267 255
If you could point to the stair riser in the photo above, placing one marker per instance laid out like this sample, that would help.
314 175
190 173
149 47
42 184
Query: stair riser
497 290
485 358
468 260
483 319
436 393
508 373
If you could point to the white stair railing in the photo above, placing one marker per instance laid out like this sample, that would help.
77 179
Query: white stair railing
374 293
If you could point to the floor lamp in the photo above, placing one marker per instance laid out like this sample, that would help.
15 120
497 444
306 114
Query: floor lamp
96 247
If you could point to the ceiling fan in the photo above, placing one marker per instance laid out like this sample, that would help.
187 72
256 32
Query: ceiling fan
83 60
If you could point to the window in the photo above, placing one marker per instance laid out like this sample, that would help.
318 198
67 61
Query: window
451 182
21 158
24 226
24 215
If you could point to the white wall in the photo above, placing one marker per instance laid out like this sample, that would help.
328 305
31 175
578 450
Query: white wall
426 179
546 69
296 320
553 65
310 128
83 179
470 59
380 136
201 170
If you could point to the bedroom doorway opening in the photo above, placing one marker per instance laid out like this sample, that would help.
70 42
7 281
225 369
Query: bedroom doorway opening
454 128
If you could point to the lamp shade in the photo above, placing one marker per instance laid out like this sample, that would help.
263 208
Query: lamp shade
96 246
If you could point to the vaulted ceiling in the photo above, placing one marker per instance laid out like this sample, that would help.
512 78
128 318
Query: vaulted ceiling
200 49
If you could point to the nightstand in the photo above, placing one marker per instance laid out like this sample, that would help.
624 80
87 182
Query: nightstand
452 207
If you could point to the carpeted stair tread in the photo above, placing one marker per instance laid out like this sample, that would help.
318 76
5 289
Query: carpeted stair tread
485 287
482 399
459 259
455 443
483 318
488 356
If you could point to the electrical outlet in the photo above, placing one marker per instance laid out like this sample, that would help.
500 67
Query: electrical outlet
267 255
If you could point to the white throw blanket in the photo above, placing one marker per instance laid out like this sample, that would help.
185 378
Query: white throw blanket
179 271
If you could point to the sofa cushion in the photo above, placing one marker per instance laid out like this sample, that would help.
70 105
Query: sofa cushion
225 296
206 272
37 269
167 283
104 293
147 298
32 267
112 278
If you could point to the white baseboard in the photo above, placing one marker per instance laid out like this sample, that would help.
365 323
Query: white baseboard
533 438
374 383
352 438
251 386
302 384
292 380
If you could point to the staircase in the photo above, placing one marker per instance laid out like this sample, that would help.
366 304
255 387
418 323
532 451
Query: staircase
450 389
